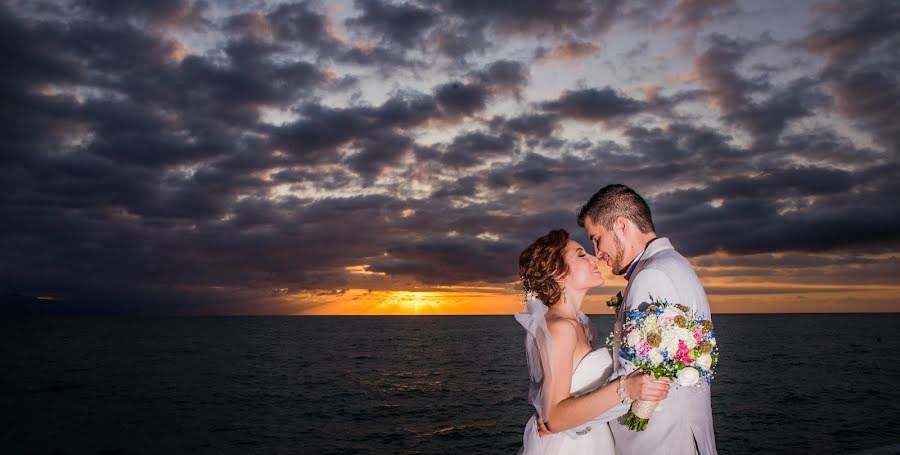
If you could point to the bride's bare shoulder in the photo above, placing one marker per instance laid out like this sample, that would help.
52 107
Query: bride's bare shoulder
563 328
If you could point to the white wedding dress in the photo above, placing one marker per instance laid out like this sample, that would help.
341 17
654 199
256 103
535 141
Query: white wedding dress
593 371
592 438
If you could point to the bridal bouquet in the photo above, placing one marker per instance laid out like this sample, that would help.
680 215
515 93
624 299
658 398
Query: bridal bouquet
668 340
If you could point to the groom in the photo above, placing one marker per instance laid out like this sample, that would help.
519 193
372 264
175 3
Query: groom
619 224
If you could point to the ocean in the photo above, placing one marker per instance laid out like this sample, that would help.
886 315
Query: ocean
817 383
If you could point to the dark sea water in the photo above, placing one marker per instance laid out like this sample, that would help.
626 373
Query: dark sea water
406 385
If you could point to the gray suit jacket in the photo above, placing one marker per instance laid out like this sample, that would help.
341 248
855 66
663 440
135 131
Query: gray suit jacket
685 417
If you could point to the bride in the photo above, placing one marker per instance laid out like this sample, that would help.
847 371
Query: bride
568 378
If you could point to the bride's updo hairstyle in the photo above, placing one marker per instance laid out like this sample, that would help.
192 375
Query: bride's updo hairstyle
541 263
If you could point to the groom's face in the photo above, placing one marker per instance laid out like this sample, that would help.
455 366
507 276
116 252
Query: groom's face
608 246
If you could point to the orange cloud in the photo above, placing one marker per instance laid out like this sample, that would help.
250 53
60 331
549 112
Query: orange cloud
570 51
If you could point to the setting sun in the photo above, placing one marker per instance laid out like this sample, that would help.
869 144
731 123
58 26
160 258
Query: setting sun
444 300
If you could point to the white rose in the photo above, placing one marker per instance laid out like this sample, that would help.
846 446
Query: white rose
634 338
669 341
690 342
650 324
670 312
704 361
681 334
712 341
688 376
656 357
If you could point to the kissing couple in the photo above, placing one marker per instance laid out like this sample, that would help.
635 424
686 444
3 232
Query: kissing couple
580 394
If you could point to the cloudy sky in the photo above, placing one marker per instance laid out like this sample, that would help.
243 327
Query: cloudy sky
380 157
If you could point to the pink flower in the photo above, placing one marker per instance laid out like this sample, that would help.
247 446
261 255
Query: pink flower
698 334
643 348
682 353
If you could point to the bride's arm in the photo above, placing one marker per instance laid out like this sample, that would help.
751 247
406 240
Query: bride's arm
565 412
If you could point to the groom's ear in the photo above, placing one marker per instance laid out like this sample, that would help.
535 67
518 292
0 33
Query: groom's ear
621 224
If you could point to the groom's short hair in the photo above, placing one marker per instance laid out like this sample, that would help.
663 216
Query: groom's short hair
613 201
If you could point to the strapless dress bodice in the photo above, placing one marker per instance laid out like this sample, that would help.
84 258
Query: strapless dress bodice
593 371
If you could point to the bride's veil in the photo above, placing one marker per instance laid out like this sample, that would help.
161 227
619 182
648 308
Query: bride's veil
537 349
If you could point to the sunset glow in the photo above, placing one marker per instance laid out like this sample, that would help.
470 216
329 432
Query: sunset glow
430 302
725 298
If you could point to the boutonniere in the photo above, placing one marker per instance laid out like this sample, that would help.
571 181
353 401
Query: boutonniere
615 302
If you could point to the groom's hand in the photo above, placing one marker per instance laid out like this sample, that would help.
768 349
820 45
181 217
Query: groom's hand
542 428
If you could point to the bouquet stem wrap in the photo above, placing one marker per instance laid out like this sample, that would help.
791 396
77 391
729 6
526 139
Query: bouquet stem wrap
640 414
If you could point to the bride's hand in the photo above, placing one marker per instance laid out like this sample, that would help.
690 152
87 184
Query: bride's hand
643 387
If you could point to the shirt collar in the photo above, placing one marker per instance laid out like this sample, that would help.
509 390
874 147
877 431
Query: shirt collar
633 266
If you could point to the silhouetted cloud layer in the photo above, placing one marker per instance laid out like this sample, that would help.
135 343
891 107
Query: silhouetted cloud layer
184 157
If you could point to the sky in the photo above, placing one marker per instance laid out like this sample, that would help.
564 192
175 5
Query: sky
382 157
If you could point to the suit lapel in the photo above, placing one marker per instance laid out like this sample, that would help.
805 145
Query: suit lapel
622 310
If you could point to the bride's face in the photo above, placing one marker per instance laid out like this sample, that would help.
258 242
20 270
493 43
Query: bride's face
584 270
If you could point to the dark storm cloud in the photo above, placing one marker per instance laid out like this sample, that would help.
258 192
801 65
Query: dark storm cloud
450 260
809 267
458 98
319 136
472 149
377 153
316 137
754 103
767 119
520 17
463 187
459 29
593 104
464 98
678 148
321 132
717 67
824 146
799 209
401 24
291 242
77 52
303 29
165 12
748 207
295 22
848 30
132 134
861 40
453 252
248 81
503 76
869 99
537 125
